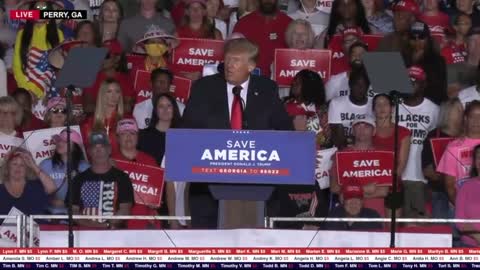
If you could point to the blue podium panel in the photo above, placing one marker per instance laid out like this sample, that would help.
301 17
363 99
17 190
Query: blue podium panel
243 157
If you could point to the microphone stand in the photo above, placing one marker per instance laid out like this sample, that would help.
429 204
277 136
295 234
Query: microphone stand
395 200
69 94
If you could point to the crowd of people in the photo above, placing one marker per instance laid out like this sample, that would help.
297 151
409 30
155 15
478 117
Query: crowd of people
439 41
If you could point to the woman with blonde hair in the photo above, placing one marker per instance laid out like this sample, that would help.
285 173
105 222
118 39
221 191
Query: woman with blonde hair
109 110
23 184
10 117
109 19
300 35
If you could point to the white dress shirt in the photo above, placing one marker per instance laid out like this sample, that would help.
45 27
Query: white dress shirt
243 94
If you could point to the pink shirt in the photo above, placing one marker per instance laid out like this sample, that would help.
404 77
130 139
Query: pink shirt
457 158
467 206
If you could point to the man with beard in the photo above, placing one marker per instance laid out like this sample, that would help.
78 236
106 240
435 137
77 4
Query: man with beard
337 86
266 27
340 60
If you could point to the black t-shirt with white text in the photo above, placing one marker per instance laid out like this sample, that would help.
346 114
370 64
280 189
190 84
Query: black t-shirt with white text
101 194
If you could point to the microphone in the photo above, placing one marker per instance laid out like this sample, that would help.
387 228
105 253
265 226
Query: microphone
236 92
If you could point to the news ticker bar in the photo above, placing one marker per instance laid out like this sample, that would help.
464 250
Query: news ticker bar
48 14
94 258
256 266
242 251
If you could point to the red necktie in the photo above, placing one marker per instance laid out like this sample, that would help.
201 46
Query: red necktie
236 113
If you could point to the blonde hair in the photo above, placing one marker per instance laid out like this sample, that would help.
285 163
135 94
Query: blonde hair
241 45
4 173
100 112
9 103
446 109
291 29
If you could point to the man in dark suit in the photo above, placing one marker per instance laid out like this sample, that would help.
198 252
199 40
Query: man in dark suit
232 100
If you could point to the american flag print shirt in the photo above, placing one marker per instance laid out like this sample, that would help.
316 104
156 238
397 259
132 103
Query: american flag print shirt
99 198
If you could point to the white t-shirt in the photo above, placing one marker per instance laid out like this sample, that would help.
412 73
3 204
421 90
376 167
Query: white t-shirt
143 111
420 120
342 111
468 95
319 20
337 86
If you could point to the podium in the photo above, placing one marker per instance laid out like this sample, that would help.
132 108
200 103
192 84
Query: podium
241 206
241 168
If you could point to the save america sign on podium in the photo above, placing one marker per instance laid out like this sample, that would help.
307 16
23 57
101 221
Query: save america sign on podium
240 156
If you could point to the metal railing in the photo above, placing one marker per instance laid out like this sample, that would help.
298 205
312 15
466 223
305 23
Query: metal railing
76 217
25 224
272 220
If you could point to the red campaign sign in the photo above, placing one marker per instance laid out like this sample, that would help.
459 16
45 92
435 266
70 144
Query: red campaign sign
143 88
192 54
438 147
288 62
181 88
335 44
364 167
147 182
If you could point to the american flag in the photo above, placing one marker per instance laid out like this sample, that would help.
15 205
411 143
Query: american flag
91 197
38 69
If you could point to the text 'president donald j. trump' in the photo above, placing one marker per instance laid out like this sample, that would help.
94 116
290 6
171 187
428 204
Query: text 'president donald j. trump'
238 100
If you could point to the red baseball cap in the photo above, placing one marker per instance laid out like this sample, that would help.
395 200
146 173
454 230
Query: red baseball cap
352 191
407 6
356 31
417 73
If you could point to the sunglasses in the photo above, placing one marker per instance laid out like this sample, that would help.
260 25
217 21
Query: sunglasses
57 110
